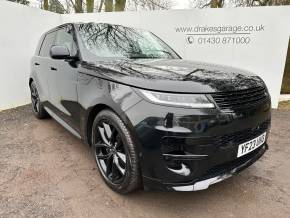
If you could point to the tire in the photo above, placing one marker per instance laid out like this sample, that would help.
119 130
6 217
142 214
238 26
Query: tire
115 153
37 107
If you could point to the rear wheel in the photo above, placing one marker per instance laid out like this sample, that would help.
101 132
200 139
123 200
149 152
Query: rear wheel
115 152
36 104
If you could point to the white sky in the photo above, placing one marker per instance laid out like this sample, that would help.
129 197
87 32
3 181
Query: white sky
181 4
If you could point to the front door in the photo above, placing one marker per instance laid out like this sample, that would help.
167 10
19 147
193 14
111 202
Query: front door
62 80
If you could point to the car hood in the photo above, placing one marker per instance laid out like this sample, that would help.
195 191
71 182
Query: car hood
173 75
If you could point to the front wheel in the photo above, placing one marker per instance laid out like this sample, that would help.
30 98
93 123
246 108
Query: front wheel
115 152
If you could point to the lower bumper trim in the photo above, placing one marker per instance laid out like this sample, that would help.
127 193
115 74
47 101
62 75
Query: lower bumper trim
201 185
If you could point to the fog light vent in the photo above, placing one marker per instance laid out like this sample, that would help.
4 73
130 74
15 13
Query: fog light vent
183 170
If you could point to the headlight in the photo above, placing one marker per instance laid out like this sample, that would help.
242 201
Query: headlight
181 100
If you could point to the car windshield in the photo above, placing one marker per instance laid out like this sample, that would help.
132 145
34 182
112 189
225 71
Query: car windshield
106 40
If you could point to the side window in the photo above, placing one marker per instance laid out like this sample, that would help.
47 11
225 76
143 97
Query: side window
64 37
46 44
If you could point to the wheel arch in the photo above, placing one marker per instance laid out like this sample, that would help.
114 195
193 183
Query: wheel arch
94 111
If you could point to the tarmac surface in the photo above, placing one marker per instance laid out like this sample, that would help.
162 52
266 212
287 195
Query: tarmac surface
47 172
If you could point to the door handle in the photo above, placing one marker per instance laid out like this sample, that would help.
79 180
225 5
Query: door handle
52 68
36 64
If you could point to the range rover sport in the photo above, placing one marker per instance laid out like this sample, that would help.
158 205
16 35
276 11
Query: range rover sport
152 119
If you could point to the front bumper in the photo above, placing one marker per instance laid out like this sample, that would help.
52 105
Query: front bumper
189 149
212 178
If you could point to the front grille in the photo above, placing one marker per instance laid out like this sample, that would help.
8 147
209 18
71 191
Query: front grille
234 100
244 135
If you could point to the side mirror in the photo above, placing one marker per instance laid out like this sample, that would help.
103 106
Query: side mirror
59 52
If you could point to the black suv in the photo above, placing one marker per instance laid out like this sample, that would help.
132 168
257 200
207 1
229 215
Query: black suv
151 118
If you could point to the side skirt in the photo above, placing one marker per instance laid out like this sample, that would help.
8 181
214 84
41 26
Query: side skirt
63 123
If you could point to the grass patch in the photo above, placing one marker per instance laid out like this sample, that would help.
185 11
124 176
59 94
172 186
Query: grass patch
286 84
286 77
284 105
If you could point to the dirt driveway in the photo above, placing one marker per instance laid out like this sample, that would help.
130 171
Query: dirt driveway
47 172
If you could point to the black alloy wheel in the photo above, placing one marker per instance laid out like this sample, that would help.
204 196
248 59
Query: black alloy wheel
110 152
115 152
34 98
37 106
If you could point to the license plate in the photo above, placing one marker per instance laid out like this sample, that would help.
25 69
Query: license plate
251 145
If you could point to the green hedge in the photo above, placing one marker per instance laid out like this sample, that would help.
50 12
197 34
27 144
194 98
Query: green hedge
286 78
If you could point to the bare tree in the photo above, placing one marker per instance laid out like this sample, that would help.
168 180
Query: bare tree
120 5
101 5
24 2
78 6
108 5
153 4
90 6
248 3
236 3
45 4
207 3
216 3
67 6
56 6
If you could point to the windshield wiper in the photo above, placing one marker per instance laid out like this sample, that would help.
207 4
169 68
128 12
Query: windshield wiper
164 51
140 56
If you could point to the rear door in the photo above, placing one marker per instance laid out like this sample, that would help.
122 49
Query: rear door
62 79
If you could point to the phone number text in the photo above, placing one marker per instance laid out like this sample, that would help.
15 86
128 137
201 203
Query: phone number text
213 40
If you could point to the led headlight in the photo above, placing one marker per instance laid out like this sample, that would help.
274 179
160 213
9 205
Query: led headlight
181 100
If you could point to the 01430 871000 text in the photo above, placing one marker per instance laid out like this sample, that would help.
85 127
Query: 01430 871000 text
214 40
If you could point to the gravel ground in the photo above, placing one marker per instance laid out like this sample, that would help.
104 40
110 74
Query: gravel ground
47 172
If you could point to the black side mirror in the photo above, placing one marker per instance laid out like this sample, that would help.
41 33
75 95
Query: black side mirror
59 52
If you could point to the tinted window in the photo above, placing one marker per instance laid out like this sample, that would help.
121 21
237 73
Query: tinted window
46 45
64 37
